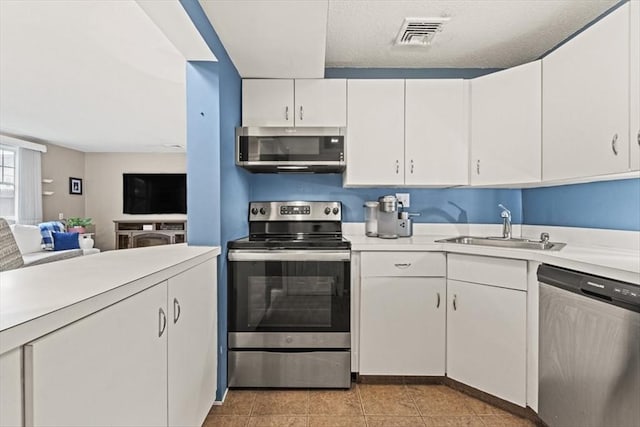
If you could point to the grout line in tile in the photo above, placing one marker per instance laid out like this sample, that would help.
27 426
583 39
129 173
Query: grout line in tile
413 400
366 423
253 404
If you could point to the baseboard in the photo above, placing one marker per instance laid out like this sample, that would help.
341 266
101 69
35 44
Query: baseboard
224 397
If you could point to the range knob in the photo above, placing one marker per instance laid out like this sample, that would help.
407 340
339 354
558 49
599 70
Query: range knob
327 210
335 211
263 211
254 211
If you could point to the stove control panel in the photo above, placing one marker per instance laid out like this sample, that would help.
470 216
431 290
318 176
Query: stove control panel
295 211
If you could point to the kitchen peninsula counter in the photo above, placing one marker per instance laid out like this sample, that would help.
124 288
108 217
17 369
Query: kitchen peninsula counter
35 301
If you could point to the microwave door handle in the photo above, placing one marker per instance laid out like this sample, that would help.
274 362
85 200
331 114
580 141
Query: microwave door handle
293 167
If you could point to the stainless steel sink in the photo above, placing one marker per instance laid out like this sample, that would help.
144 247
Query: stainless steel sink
505 243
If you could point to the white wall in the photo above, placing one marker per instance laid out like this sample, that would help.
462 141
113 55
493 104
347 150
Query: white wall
103 187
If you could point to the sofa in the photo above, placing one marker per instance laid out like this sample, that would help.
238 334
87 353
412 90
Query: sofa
21 246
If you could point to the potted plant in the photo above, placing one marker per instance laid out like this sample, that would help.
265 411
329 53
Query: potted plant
78 225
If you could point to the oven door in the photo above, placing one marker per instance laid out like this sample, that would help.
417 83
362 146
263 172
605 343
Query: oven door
289 291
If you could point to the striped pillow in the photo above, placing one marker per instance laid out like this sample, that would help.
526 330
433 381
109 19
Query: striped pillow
45 229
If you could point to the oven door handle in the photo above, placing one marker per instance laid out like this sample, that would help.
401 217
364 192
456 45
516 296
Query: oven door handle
288 255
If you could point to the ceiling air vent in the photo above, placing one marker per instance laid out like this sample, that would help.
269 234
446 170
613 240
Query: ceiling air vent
419 31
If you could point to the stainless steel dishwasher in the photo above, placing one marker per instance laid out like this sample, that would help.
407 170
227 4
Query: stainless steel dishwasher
589 373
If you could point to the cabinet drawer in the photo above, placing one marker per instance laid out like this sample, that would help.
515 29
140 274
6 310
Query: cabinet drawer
407 264
507 273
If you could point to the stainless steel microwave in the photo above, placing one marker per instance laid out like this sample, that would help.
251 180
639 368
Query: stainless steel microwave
280 150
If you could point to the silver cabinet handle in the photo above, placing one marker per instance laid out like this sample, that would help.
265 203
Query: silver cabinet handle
397 167
403 265
301 113
412 166
162 322
614 144
478 167
286 112
638 137
176 310
438 303
455 299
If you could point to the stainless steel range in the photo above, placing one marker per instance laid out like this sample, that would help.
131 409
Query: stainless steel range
289 298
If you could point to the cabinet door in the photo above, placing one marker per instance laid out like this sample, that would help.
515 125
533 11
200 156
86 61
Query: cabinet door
586 102
436 132
321 102
375 132
486 339
192 344
11 388
506 126
267 102
108 369
402 326
634 122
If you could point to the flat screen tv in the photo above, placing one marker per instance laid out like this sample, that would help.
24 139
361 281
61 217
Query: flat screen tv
154 193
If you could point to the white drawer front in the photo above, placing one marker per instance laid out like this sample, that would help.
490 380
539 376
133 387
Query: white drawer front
507 273
405 264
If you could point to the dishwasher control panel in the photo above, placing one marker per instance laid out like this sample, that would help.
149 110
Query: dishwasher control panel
614 292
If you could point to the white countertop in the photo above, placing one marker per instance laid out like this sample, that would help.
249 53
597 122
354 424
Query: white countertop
619 264
39 299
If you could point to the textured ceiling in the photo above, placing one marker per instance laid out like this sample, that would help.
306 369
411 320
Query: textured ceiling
480 33
296 38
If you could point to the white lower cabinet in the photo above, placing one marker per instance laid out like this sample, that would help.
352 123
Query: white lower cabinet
193 328
402 318
403 326
149 360
11 388
108 369
486 339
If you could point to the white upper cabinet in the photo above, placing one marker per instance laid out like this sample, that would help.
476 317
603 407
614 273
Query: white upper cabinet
506 126
586 102
375 135
267 102
634 105
436 132
300 103
321 102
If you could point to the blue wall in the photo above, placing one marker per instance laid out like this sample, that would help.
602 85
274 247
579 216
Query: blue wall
455 205
203 154
214 180
609 204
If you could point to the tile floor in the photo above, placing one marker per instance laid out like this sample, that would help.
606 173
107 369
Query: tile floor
364 405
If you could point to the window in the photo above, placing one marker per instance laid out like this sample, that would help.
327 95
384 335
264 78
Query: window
7 183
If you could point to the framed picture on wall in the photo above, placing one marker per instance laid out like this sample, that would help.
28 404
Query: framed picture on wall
75 186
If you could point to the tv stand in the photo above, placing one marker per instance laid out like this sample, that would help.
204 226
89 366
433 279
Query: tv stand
141 233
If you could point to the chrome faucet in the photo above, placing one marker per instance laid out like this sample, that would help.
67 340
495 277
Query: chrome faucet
506 222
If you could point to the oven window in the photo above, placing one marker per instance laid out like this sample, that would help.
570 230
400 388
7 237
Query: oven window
289 296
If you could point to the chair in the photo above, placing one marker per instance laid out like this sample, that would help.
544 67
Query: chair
10 256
